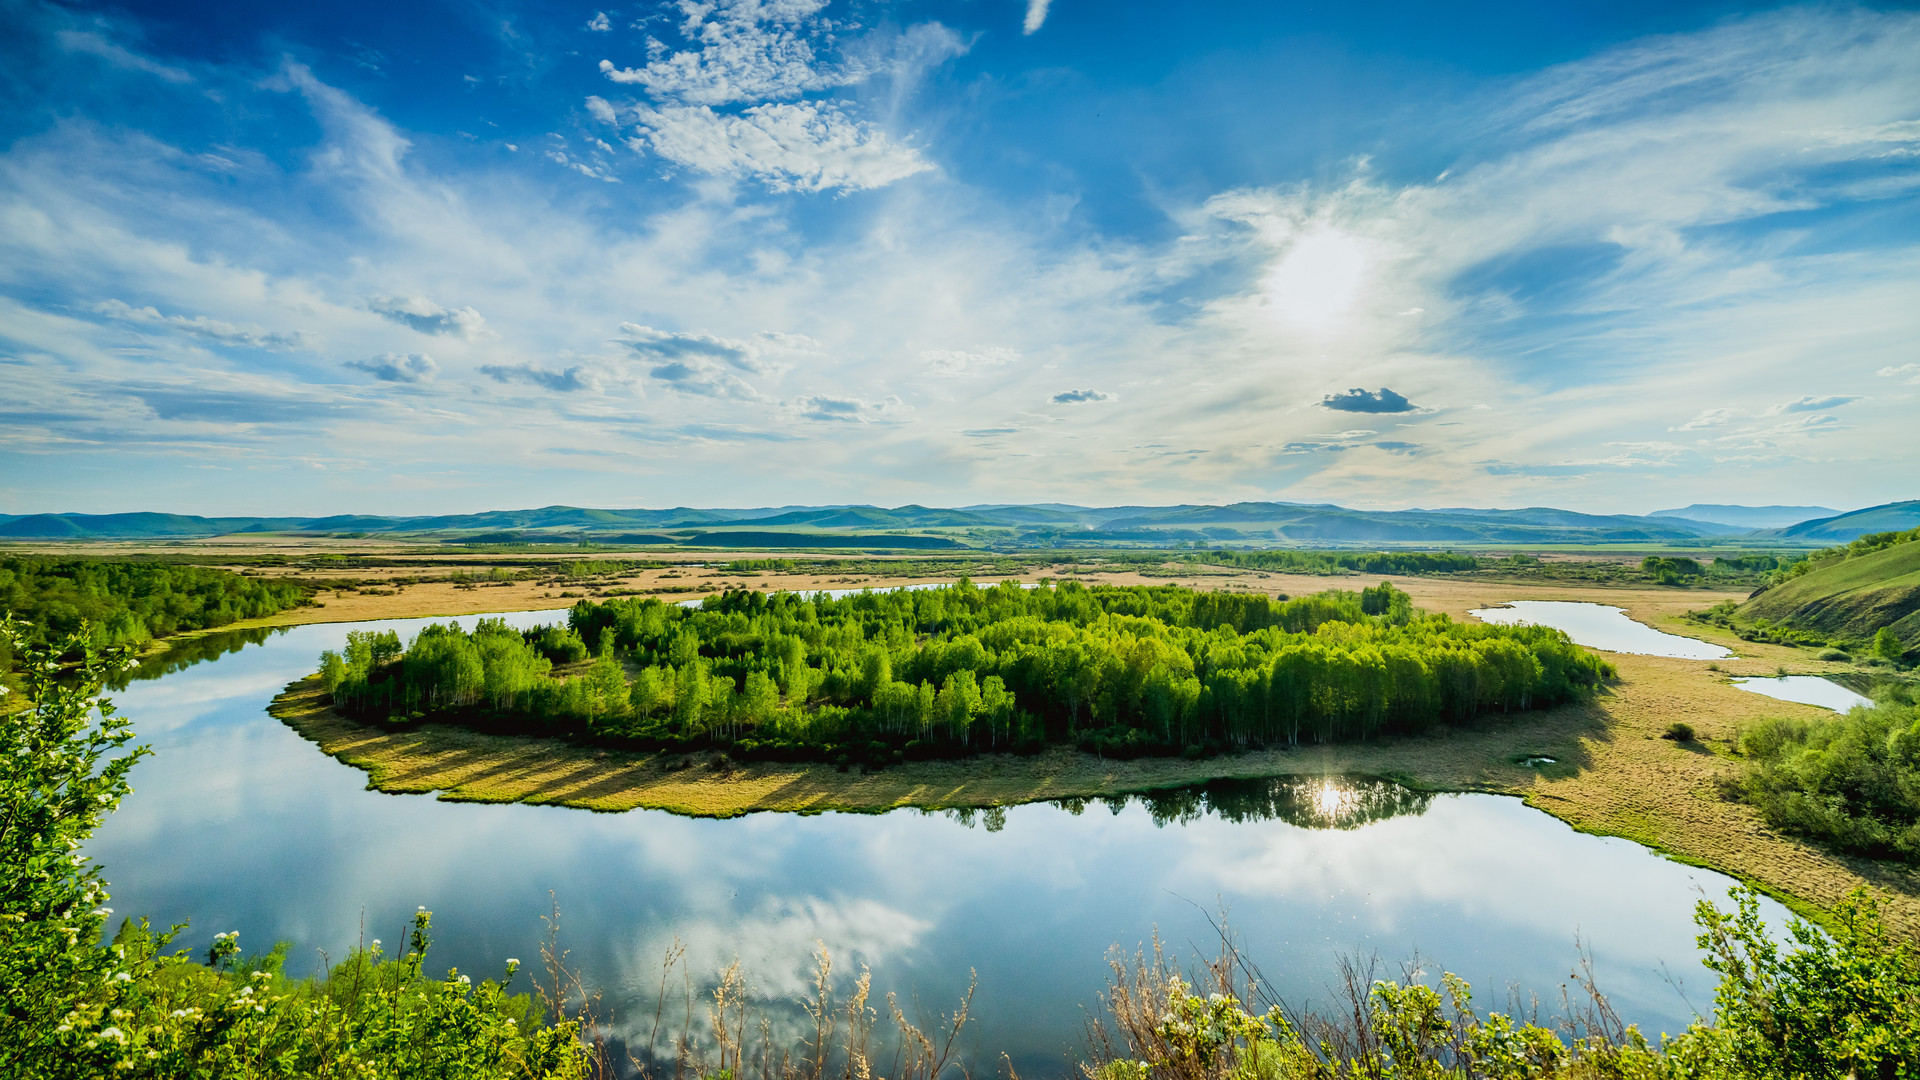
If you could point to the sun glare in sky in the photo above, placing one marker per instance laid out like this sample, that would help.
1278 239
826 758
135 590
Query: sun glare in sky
1317 283
325 258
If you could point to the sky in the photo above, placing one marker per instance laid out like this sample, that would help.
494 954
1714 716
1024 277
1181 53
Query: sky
440 257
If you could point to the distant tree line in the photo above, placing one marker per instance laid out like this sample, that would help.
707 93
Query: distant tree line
132 602
877 677
1364 562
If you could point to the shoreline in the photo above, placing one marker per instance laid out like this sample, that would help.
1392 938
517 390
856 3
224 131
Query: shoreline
1614 776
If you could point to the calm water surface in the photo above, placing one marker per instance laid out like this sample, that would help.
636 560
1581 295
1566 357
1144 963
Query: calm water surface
239 824
1807 690
1598 626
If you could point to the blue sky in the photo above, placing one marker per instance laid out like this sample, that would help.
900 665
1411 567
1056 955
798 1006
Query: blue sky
396 258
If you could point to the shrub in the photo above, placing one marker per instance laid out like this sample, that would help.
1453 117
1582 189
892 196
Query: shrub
71 1007
1679 732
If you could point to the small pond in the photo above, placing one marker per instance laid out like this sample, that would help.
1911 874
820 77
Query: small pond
1598 626
1807 690
237 823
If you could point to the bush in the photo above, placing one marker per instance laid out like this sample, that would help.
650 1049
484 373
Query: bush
73 1008
1679 732
1835 654
1840 1004
1852 781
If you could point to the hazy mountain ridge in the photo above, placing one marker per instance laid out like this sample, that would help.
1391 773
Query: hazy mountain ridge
1275 522
1749 517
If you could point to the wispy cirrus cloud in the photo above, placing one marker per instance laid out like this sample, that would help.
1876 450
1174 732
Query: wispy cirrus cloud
207 329
966 362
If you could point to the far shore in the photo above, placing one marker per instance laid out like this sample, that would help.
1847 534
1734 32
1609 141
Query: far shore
1613 775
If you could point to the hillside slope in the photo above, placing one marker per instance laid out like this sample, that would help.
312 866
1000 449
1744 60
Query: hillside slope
1887 517
1851 598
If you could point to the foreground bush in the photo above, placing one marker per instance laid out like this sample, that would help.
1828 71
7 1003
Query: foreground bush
72 1007
1844 1005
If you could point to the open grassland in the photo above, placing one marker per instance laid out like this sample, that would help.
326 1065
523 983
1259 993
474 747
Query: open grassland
1613 775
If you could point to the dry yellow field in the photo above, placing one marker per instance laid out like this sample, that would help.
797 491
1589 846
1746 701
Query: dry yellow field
1614 775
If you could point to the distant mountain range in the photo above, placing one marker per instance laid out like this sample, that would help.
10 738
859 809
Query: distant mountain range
1749 517
1003 524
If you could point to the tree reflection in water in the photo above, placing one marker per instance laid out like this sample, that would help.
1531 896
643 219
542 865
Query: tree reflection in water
181 654
1317 802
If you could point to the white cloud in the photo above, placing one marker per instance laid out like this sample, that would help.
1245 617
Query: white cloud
427 317
214 330
1811 404
398 367
1036 15
701 364
725 106
1891 371
847 409
570 380
961 362
599 24
1710 418
811 146
1076 397
749 50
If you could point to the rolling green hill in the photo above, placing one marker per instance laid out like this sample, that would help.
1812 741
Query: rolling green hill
1849 597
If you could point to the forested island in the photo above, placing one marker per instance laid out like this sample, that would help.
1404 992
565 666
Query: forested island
876 678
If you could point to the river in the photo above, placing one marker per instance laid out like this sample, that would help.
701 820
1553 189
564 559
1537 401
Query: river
237 823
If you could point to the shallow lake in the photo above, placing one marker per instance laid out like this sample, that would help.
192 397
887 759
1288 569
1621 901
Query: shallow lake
1807 690
1598 626
239 824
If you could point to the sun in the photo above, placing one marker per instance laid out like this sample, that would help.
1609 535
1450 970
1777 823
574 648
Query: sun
1319 280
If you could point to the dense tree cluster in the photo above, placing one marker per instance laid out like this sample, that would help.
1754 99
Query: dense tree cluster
948 671
1852 781
1361 562
125 602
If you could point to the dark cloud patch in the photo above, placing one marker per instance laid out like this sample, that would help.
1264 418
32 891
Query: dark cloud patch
987 432
1075 397
572 380
398 367
1399 447
1358 400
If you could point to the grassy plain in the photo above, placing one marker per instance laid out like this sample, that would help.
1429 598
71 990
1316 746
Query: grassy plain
1613 775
